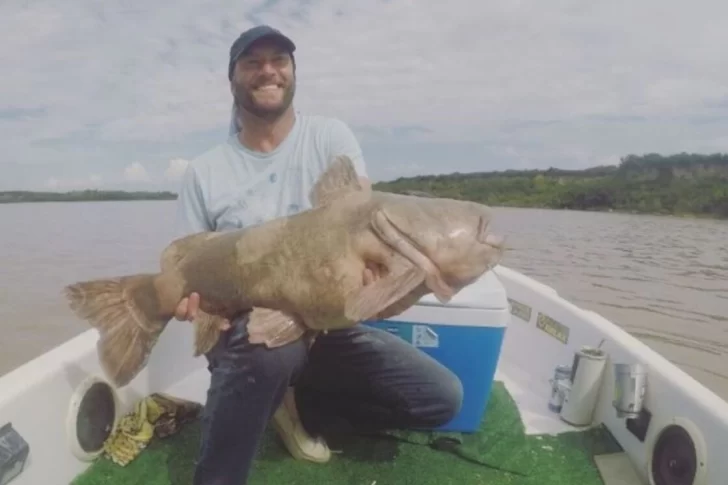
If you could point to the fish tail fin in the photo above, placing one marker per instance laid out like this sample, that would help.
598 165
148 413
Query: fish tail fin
207 331
129 314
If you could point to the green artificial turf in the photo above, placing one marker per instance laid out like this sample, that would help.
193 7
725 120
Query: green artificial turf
546 460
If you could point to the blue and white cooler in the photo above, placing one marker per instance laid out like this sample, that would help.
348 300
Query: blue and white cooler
465 335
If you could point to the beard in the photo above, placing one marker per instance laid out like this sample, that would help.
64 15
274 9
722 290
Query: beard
245 100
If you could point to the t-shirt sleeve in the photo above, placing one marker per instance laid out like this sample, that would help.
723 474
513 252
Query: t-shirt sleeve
192 215
343 142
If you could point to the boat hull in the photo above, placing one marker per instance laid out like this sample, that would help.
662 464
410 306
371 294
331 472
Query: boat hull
547 330
40 398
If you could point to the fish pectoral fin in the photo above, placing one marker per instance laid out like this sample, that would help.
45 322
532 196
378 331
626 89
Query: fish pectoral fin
404 303
370 300
207 331
273 328
339 179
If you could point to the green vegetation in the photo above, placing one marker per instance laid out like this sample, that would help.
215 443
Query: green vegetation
82 196
682 184
545 460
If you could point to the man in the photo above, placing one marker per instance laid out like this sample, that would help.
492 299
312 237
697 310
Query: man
354 379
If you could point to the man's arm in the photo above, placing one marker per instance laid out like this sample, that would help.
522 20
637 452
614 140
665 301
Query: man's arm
192 214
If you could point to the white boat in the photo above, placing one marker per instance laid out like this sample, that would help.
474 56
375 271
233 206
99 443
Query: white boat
680 443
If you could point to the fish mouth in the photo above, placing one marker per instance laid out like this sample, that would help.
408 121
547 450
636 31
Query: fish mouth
399 240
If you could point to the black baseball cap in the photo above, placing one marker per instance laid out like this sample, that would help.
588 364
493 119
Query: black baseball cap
254 34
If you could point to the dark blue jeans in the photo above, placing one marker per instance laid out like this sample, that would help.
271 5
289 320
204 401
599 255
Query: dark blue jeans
359 379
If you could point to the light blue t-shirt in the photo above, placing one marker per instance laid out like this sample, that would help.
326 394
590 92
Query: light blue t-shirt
230 186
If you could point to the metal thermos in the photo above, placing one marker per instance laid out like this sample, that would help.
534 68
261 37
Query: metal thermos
559 384
629 389
581 397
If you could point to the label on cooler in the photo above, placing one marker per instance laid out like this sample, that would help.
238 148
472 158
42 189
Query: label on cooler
424 336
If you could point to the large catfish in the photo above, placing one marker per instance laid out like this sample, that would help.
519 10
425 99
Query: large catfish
296 273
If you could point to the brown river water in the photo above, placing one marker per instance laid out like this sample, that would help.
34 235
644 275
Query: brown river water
663 279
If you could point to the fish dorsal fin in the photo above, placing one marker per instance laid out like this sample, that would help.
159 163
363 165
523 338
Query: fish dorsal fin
339 179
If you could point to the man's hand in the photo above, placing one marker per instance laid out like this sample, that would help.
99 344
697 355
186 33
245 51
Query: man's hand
187 308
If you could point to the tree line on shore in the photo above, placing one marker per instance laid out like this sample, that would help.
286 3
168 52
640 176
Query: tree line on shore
18 196
680 184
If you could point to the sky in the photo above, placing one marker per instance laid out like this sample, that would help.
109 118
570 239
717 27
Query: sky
118 95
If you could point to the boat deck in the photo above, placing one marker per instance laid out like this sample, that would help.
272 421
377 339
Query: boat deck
518 434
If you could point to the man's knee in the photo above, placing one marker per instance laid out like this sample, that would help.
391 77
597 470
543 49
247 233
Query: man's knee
453 395
444 401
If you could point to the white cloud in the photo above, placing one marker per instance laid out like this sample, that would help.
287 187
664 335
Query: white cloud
74 183
136 173
469 71
133 176
176 169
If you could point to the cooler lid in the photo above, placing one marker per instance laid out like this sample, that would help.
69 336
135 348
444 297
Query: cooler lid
487 293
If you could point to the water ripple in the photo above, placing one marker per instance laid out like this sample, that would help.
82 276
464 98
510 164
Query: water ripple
663 279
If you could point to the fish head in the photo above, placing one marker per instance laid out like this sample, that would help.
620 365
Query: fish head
451 240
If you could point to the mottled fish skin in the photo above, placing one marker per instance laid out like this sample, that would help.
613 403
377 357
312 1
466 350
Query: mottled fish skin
302 272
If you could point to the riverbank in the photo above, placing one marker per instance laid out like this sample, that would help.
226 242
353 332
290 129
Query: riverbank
26 196
100 196
677 215
679 185
684 185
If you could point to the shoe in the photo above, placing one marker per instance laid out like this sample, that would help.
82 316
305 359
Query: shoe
299 443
